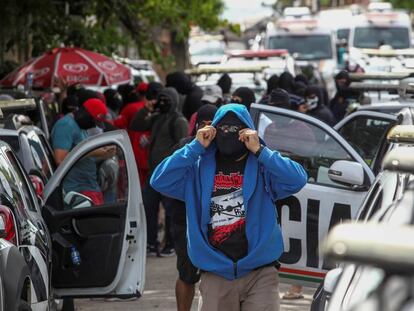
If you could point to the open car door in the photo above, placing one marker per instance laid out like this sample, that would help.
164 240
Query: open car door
366 132
307 216
94 212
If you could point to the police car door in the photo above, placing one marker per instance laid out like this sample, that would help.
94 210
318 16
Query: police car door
307 216
98 233
366 132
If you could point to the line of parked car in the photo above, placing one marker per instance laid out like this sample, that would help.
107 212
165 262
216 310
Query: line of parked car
59 244
41 225
371 259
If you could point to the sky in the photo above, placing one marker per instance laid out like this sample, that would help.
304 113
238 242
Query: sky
239 10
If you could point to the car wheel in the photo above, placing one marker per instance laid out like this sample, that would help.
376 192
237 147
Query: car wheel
24 306
68 305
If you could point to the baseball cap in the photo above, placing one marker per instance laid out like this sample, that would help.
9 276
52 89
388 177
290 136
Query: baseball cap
96 108
212 93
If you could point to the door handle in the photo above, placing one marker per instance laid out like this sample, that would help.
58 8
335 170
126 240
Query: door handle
66 229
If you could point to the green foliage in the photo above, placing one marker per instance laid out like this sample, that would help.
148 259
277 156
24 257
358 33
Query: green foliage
403 4
97 24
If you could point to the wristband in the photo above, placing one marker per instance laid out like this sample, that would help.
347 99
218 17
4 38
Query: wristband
258 152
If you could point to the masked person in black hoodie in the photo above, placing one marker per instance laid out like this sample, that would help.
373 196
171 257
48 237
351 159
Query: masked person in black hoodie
193 93
286 82
272 84
168 127
243 95
343 97
316 107
188 275
225 82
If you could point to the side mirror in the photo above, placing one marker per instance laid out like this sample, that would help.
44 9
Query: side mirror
75 200
347 172
331 278
381 245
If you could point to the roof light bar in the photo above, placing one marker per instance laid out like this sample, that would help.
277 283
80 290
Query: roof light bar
18 104
401 134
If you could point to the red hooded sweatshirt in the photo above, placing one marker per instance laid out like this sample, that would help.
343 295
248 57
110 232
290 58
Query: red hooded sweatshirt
140 151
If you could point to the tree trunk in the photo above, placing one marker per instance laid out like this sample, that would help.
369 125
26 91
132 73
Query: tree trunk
179 49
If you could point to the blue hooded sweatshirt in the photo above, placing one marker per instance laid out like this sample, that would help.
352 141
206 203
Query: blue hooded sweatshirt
188 175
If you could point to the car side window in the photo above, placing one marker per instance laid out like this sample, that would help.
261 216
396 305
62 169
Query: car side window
376 205
304 143
39 156
48 151
366 135
98 178
19 182
367 204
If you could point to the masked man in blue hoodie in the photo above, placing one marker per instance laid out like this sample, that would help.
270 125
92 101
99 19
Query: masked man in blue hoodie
229 180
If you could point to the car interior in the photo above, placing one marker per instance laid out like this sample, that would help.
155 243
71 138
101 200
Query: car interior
95 230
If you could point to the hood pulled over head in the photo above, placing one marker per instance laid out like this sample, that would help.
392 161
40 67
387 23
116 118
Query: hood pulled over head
229 120
179 81
246 95
314 97
167 100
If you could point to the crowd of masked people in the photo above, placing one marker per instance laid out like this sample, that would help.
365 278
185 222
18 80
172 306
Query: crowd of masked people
161 118
296 93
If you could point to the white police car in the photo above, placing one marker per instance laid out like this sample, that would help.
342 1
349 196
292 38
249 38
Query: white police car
341 163
108 237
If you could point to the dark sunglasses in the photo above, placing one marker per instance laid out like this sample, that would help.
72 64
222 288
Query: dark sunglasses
230 128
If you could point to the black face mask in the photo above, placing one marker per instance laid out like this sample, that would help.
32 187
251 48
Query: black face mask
163 105
84 119
227 141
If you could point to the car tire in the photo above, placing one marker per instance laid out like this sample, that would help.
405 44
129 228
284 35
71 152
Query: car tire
68 304
24 306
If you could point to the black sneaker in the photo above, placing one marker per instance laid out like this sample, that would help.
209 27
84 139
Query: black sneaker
152 250
167 252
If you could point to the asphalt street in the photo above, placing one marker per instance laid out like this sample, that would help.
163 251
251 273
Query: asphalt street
159 292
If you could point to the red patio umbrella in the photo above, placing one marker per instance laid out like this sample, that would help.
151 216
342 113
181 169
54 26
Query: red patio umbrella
74 65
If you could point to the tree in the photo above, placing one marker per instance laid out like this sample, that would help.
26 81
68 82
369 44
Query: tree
29 27
403 4
145 18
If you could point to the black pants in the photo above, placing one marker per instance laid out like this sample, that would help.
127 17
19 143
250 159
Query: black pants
152 200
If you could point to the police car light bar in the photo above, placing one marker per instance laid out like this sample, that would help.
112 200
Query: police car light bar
225 69
401 134
258 54
381 17
297 24
400 159
374 87
382 76
349 242
18 104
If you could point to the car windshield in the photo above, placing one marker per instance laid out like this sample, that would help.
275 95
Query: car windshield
208 48
343 34
306 47
374 37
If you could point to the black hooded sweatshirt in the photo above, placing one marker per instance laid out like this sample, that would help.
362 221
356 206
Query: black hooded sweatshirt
344 95
321 112
166 128
193 93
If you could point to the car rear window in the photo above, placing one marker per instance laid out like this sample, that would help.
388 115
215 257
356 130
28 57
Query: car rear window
13 141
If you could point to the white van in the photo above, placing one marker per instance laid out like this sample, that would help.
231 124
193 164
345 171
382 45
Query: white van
310 45
378 31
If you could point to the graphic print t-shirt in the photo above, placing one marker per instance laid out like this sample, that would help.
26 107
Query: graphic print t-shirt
227 226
